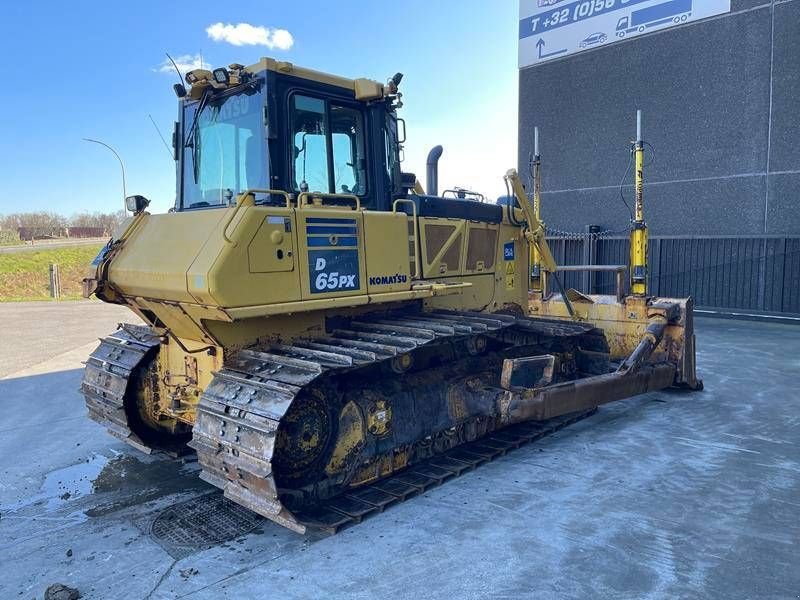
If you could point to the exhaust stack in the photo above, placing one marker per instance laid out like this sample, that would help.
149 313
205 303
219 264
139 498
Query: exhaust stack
433 170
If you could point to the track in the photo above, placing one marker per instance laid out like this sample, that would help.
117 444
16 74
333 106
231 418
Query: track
352 507
105 379
240 411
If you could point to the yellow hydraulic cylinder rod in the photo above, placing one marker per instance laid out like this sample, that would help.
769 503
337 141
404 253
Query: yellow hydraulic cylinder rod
639 227
535 256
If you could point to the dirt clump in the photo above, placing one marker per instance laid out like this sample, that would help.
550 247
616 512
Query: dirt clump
59 591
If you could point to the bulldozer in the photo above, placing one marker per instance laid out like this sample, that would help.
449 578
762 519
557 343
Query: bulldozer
329 336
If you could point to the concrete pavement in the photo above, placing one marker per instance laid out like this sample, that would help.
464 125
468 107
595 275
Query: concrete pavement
32 332
664 495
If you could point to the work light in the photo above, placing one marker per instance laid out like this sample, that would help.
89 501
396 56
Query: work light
221 75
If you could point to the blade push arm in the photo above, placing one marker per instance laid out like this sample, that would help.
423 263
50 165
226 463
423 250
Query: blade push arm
534 232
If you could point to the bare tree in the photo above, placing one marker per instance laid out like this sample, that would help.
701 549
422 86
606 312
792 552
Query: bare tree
48 224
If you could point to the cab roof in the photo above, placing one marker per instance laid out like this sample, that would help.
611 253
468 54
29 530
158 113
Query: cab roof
363 88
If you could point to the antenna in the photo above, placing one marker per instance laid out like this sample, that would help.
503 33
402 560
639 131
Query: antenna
177 70
166 145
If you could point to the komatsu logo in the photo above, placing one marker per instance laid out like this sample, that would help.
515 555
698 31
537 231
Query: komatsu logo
388 279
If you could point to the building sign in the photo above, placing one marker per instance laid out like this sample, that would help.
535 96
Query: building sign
551 29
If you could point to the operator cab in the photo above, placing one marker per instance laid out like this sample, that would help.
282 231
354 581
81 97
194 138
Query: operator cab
275 126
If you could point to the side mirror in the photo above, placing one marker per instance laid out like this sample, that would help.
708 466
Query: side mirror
136 204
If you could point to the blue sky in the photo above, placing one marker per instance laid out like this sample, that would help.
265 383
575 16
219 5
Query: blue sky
90 69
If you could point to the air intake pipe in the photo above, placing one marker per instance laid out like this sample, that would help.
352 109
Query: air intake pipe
433 170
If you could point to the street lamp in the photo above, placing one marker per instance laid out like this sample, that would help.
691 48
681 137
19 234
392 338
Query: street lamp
121 166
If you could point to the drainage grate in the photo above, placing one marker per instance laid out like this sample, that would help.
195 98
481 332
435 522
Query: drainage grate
201 523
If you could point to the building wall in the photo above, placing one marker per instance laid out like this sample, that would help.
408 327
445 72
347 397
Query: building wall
721 102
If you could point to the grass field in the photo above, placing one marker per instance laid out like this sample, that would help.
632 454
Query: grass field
25 275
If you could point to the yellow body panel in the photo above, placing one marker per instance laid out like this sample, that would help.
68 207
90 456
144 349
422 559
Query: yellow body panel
251 263
388 268
156 256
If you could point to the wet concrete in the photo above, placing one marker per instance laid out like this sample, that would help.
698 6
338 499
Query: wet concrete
665 495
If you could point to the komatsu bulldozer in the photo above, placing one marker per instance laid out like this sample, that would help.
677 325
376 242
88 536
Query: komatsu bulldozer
330 337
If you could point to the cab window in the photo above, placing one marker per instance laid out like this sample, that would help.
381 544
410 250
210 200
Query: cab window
225 149
329 147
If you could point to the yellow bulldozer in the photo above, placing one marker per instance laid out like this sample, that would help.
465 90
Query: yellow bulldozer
330 337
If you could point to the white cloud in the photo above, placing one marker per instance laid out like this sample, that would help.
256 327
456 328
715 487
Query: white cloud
244 34
185 62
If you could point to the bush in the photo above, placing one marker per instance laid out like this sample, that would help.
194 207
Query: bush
9 237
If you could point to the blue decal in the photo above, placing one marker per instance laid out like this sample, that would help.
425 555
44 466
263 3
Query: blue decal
327 229
333 271
344 242
102 254
508 251
329 220
567 14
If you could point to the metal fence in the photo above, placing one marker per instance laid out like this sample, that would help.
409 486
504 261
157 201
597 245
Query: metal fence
757 273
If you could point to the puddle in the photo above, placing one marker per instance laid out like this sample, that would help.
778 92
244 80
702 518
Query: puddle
117 483
135 482
65 484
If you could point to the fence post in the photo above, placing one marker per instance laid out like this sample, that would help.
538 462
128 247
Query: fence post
589 257
55 282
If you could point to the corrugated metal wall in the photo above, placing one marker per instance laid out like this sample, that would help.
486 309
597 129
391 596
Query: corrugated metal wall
758 273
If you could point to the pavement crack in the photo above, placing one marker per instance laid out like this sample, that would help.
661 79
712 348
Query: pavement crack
235 574
161 579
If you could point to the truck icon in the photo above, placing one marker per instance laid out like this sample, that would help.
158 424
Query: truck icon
677 11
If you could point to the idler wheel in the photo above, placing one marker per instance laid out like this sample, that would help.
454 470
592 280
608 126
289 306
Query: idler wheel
305 437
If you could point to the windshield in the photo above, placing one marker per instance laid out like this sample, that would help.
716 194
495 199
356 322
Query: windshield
225 154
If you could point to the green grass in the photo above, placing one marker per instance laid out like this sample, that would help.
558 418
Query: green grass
25 275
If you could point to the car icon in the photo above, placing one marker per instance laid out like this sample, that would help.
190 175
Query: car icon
595 38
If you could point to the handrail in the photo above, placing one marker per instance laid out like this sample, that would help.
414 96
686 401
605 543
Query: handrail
304 196
241 202
416 231
619 270
285 195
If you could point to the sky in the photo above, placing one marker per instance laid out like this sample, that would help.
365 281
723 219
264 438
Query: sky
92 69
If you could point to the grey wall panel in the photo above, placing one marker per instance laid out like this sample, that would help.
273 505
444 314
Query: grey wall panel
783 209
717 206
737 5
704 89
722 108
721 100
785 144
